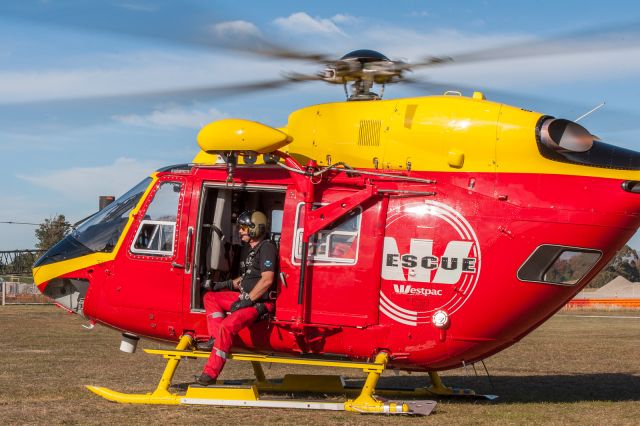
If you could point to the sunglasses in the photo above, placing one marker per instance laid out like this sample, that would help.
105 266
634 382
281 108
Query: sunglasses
244 227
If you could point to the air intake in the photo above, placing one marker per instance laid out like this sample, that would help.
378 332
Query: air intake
369 133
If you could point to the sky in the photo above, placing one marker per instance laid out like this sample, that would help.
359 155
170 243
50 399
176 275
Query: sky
60 152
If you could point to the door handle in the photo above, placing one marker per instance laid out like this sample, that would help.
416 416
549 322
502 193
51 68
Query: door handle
187 254
177 265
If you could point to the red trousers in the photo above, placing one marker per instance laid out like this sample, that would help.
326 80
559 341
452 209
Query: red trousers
223 327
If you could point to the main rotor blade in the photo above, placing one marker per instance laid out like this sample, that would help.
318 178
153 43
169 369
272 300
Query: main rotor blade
613 37
175 22
210 93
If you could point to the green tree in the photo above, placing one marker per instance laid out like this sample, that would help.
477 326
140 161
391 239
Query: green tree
22 263
51 231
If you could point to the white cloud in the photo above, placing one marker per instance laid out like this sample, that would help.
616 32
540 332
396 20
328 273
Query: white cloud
342 18
302 23
235 29
420 13
87 183
173 117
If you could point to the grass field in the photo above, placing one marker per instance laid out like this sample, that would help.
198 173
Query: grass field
573 370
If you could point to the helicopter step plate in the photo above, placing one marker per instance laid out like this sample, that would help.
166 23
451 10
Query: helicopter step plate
307 405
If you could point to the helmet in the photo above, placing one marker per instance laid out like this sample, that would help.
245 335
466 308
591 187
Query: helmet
255 220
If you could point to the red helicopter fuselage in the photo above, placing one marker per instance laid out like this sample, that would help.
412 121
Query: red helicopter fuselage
436 267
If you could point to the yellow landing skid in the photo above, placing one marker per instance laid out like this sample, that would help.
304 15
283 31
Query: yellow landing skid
248 395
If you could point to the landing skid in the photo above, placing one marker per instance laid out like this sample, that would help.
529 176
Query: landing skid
248 393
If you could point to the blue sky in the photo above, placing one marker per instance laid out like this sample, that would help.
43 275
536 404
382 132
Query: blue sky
58 157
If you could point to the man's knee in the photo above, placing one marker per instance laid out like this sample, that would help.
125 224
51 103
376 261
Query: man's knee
217 314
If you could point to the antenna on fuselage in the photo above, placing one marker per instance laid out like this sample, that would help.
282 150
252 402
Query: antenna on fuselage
589 112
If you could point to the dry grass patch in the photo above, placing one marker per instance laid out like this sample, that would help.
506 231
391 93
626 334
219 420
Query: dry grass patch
572 370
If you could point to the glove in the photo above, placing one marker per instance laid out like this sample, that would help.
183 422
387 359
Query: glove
243 302
262 310
223 285
218 285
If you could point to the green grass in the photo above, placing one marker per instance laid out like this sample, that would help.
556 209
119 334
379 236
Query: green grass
573 370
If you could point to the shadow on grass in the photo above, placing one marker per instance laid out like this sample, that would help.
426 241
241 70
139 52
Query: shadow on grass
535 389
549 388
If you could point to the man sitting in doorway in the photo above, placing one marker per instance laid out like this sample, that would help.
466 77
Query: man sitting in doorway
258 262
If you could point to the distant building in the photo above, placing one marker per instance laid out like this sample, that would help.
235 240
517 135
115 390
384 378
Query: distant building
618 293
618 288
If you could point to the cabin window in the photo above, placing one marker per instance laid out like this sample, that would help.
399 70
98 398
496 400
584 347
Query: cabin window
156 234
276 225
336 244
559 264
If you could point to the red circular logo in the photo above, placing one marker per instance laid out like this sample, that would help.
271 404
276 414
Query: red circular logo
431 261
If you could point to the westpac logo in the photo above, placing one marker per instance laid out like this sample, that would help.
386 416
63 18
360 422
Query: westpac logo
410 290
423 266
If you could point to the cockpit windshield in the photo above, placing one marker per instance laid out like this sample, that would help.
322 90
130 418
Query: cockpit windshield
100 232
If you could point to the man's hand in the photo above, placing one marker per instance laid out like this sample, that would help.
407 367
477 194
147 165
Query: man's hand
218 285
223 285
262 310
243 302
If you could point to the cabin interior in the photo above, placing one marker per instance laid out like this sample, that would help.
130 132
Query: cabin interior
217 240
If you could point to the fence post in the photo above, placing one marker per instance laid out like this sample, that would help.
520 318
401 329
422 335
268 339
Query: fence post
4 290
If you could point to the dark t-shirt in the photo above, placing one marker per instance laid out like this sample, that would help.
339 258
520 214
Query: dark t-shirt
254 261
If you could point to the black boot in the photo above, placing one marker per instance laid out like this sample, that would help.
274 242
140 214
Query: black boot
205 346
205 380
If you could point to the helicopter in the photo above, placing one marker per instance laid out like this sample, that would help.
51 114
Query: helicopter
417 234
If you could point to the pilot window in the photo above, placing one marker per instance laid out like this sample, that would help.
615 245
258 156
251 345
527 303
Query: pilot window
336 244
217 240
156 234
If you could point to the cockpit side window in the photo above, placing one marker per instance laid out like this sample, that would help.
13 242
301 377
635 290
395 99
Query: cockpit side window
157 231
336 244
